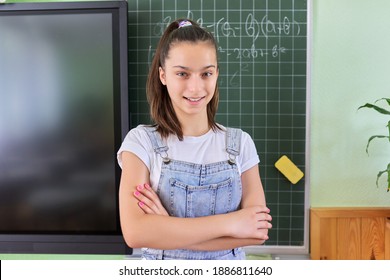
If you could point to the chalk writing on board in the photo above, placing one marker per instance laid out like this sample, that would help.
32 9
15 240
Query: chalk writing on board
252 29
232 81
284 28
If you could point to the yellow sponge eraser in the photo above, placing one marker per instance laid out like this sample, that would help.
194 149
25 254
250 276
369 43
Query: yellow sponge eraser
289 169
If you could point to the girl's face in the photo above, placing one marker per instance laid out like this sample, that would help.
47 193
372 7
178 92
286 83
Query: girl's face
190 75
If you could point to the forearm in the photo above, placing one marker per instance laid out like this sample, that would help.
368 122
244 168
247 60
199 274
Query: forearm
164 232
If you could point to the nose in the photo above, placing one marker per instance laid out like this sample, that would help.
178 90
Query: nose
195 83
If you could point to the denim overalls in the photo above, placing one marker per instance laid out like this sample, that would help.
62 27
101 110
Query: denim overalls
194 190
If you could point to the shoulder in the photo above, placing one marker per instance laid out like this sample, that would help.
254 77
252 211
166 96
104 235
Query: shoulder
141 136
136 141
139 133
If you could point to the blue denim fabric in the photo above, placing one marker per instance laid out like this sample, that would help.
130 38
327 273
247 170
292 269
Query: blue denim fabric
153 254
191 190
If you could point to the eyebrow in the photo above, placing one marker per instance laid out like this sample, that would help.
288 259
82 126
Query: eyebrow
188 68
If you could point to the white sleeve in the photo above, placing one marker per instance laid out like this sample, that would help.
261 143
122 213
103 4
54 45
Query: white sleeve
138 143
248 153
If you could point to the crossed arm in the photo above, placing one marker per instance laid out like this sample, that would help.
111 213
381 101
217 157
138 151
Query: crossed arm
145 222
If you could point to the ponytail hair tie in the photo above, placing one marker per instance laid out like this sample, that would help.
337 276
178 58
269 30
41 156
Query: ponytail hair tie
184 23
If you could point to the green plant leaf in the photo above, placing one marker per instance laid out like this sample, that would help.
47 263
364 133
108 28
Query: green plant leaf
388 177
385 112
373 137
388 126
376 108
387 100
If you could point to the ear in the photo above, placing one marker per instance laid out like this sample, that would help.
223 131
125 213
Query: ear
162 76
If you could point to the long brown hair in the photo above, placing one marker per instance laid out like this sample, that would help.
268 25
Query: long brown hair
161 108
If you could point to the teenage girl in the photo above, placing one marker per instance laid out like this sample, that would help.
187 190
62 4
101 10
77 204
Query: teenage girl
190 188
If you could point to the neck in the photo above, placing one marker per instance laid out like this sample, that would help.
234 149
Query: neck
194 127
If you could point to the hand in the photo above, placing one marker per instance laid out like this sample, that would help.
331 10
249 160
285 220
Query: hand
149 201
251 222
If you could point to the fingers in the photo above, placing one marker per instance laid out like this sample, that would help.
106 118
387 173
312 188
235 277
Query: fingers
144 196
263 221
261 216
262 209
263 224
145 208
148 200
251 222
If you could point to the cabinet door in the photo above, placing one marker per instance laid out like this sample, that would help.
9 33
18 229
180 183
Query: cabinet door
350 233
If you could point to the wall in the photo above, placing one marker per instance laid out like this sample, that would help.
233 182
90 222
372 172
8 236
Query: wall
350 66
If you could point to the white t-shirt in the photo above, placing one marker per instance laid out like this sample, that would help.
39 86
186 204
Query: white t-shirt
205 149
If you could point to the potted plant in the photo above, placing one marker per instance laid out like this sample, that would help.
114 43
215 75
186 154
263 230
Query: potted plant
385 112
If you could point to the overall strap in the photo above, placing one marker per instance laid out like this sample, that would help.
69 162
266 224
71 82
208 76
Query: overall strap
233 143
159 146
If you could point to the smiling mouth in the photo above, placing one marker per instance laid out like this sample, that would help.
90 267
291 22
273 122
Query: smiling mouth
194 99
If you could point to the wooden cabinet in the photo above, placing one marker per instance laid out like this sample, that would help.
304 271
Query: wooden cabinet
350 233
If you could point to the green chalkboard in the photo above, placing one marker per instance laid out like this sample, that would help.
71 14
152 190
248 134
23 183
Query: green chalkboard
263 74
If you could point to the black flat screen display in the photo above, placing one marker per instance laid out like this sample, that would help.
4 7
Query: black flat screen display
63 115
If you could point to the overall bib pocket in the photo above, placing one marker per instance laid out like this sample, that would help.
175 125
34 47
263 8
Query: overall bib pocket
200 201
